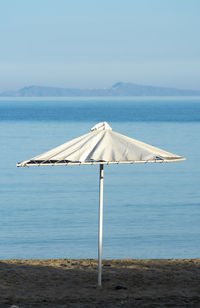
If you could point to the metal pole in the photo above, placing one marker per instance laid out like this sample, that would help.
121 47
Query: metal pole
100 224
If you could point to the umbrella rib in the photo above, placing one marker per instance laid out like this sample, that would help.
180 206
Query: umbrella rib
65 162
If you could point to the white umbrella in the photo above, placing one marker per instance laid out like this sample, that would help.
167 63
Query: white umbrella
101 146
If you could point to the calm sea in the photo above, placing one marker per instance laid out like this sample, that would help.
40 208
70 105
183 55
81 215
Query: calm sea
150 210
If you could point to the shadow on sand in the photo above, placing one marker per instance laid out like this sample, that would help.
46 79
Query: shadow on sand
126 283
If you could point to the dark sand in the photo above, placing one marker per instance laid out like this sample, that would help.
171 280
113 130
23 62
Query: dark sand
126 283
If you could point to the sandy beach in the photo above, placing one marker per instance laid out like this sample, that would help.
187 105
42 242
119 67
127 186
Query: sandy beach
126 283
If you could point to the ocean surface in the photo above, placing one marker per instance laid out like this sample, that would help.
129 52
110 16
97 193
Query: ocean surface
150 210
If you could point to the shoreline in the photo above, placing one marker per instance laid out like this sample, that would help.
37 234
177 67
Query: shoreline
59 283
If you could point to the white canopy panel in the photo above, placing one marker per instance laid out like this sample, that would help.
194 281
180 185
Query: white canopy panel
101 146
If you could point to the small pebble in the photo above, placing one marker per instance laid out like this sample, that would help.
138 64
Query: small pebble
120 288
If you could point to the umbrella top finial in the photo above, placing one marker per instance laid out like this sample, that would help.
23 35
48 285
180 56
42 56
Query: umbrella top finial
101 126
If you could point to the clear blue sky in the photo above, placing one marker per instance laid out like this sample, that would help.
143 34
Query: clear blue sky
90 43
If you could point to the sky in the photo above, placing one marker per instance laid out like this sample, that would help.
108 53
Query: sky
94 44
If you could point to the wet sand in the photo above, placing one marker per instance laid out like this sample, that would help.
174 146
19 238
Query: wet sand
126 283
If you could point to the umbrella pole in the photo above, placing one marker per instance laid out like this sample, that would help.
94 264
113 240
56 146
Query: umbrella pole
100 224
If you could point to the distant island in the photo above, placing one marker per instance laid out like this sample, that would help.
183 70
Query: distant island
118 89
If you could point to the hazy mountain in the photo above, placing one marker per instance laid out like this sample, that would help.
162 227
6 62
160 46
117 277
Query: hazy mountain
131 89
118 89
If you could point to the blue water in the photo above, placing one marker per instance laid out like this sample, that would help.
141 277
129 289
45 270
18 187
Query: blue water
150 210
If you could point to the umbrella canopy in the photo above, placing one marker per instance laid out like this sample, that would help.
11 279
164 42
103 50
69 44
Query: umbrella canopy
101 146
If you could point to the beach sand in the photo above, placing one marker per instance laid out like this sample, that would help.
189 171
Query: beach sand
126 283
